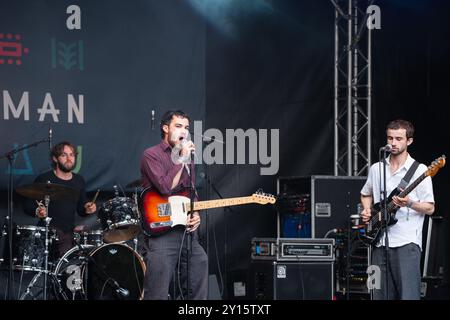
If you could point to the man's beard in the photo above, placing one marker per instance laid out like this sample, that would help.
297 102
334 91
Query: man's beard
63 168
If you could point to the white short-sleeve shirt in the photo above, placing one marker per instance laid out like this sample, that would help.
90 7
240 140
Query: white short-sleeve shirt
410 222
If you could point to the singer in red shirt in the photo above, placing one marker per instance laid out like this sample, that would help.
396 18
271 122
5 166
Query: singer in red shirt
164 168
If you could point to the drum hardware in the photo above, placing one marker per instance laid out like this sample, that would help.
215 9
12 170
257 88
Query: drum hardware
11 157
29 247
93 237
104 276
97 273
119 218
46 191
29 292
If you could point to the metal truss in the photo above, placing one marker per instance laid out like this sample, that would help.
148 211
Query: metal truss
352 88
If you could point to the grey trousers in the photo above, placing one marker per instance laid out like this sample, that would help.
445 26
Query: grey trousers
161 255
403 272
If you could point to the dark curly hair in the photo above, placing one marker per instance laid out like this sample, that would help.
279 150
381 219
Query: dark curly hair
58 149
167 118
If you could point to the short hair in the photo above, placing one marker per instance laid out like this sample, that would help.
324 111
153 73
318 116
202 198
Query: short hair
402 124
57 150
167 118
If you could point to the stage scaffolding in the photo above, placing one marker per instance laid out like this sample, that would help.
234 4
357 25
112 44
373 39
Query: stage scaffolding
352 88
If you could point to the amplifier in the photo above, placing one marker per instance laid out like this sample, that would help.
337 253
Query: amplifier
300 249
264 249
292 280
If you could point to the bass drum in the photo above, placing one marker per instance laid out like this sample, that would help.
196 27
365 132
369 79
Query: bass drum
111 272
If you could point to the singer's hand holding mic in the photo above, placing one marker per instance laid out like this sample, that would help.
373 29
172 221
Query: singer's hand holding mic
187 147
184 150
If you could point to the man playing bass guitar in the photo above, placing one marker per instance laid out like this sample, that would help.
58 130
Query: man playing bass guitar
405 236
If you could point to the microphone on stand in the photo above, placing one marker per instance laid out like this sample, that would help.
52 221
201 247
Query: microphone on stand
49 138
387 148
153 120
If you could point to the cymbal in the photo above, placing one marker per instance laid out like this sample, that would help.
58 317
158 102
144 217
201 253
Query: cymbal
38 191
134 184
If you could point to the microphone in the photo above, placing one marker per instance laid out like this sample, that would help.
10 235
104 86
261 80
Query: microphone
121 291
387 148
184 141
153 120
49 138
208 140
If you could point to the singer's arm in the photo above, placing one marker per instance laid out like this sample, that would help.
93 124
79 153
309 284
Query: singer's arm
186 150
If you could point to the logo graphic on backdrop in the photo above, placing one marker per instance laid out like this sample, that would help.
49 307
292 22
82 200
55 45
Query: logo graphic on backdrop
79 158
75 108
27 169
11 49
67 55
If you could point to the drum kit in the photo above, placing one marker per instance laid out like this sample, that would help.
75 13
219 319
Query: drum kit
101 265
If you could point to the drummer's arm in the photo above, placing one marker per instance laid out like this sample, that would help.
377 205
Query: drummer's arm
30 207
90 207
85 207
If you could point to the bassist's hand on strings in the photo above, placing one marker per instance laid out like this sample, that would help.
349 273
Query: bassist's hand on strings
401 202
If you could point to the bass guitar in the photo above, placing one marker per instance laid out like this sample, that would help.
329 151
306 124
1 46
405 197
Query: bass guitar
375 225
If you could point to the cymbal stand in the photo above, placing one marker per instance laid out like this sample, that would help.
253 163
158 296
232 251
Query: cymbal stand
47 222
11 157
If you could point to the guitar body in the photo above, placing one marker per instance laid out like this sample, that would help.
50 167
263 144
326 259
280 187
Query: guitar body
372 235
160 213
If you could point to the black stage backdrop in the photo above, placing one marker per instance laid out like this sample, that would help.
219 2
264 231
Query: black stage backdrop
250 65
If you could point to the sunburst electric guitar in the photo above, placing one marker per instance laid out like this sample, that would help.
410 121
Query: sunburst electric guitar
375 225
159 213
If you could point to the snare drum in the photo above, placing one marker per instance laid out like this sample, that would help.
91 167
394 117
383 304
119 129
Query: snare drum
120 219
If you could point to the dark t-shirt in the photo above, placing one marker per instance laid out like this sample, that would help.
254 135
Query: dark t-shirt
62 212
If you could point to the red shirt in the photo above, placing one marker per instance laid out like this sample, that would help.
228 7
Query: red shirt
158 170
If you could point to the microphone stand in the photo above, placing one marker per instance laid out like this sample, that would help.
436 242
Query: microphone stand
385 218
10 155
227 208
189 235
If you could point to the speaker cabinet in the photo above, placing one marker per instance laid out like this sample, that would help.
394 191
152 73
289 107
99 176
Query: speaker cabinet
332 199
301 280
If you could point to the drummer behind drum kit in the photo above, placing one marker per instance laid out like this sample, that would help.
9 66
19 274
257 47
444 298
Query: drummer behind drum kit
100 266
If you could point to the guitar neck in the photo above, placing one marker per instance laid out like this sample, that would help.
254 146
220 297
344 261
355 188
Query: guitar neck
211 204
391 205
412 186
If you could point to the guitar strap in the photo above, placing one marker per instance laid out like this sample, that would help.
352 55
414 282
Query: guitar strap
405 180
